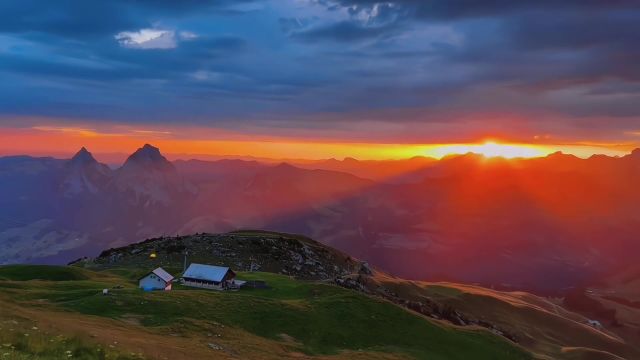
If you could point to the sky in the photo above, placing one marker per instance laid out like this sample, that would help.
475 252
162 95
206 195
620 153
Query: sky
318 78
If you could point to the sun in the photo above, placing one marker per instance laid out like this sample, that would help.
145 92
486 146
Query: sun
493 149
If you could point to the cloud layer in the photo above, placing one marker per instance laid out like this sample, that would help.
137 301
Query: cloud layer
566 69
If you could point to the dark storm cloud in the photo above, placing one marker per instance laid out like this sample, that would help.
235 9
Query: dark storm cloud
75 18
457 9
346 31
383 22
542 46
84 18
112 62
212 60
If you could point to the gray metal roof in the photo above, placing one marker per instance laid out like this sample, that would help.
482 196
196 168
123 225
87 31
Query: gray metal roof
162 274
206 272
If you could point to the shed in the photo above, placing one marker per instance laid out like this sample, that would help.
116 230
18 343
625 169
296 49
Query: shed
208 276
157 279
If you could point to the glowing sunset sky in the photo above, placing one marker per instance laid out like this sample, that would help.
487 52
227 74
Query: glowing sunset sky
319 78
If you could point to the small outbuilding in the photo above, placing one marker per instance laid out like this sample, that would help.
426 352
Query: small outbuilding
210 277
158 279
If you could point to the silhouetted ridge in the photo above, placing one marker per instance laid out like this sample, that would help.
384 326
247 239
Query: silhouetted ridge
148 156
285 167
83 156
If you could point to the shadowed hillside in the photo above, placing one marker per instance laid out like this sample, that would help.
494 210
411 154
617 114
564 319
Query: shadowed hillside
545 225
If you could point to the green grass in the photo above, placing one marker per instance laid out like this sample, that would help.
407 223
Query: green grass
41 272
323 318
21 340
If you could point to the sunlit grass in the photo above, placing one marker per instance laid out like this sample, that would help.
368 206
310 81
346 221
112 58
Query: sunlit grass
322 318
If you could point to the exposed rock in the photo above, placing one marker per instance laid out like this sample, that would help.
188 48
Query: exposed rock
215 346
365 269
297 256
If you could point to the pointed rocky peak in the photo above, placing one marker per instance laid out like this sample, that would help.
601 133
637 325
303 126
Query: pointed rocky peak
148 156
83 157
149 152
84 175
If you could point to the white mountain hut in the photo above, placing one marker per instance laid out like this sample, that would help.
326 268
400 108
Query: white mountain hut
210 277
158 279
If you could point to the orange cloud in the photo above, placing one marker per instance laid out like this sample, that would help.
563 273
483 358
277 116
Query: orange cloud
114 143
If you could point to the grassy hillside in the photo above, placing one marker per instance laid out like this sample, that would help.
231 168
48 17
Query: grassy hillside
41 272
614 300
292 318
536 323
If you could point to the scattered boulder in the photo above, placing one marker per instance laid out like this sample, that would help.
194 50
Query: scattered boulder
215 346
365 269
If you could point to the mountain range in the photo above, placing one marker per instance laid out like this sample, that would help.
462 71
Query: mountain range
547 224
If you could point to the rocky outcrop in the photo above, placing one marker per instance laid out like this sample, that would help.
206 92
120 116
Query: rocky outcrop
286 254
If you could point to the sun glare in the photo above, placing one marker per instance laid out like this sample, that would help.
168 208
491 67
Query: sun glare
493 149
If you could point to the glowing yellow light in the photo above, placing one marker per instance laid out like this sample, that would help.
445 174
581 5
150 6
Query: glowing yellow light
493 149
152 255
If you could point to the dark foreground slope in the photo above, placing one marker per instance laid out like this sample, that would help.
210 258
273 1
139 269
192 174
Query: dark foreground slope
292 319
538 324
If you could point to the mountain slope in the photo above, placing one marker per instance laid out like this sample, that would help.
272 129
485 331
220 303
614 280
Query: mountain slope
291 319
540 325
148 178
545 225
385 171
83 174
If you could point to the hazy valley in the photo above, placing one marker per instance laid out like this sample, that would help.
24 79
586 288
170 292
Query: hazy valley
520 224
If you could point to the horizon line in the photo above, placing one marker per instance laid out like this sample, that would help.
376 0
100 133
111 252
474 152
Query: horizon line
180 156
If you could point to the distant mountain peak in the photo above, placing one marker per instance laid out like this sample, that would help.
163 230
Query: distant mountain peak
635 153
83 156
148 156
561 155
557 153
84 174
149 150
285 166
